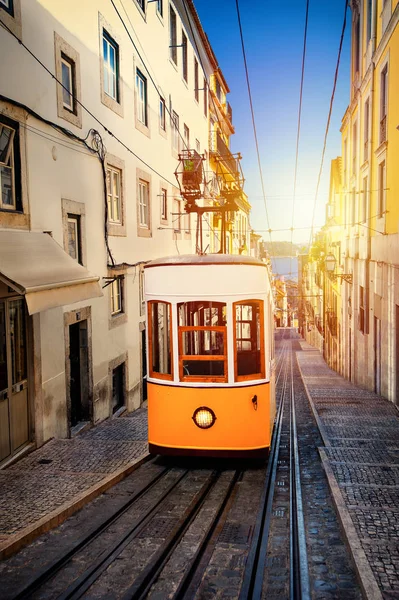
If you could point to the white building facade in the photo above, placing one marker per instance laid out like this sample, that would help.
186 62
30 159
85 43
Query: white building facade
88 196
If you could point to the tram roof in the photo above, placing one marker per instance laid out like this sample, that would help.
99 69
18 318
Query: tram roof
205 259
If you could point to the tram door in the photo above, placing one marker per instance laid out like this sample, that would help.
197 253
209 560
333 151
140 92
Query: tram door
14 415
144 364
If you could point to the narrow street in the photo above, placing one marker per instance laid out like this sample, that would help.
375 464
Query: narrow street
190 528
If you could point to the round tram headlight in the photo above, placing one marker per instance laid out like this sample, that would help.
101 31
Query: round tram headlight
204 417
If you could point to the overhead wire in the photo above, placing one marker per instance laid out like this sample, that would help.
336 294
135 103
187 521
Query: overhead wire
299 120
106 129
253 117
329 116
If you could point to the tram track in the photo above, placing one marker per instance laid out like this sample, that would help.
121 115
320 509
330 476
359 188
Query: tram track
170 538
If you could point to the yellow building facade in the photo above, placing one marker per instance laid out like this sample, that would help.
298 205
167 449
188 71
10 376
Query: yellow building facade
364 236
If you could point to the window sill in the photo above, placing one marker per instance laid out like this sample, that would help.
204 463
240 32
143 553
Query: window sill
144 232
117 320
117 230
144 129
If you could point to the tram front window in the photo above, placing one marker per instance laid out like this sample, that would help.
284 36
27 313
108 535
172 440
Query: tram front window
160 340
249 342
202 341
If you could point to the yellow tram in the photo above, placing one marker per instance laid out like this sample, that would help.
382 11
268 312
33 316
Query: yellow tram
210 356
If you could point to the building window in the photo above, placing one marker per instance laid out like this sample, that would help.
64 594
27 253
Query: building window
354 148
175 131
144 220
67 70
111 66
202 337
10 182
8 6
164 204
185 62
218 91
160 339
205 97
69 83
197 146
176 215
162 114
366 129
114 177
196 80
141 85
369 12
381 188
160 7
363 215
186 133
172 35
74 238
383 103
116 296
356 45
353 208
141 4
248 340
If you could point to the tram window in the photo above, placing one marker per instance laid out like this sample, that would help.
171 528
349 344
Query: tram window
249 342
202 341
160 340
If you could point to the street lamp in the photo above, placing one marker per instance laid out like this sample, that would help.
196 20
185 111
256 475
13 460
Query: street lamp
330 263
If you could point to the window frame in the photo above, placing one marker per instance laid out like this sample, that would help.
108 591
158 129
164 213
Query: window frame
155 374
175 132
66 54
177 216
181 329
261 373
144 185
106 37
76 219
381 198
9 9
71 90
205 97
383 131
162 114
142 98
184 42
14 158
164 204
196 79
114 171
118 282
172 35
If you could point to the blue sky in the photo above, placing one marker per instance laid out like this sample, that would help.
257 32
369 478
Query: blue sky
273 38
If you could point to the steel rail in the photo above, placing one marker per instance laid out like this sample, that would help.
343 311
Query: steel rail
299 574
80 585
48 571
140 588
251 587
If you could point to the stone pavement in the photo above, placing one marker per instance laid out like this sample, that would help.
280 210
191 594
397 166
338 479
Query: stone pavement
47 486
360 431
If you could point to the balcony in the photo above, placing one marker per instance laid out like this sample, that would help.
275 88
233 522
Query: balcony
226 156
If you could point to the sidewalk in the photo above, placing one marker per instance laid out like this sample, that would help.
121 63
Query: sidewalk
360 431
47 486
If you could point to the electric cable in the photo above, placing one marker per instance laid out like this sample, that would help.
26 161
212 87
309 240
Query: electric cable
329 117
299 119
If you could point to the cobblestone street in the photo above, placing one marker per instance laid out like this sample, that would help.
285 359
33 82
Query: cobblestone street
42 489
359 452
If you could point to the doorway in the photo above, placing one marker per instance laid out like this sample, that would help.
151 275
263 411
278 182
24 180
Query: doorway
118 388
79 373
14 408
377 355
